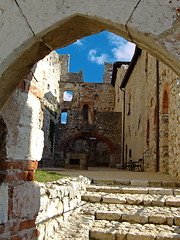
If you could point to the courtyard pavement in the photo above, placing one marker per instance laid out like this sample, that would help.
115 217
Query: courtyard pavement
114 174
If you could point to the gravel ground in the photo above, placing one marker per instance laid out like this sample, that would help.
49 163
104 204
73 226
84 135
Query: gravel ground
113 173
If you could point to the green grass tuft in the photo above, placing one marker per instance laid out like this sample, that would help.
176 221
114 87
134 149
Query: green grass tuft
45 176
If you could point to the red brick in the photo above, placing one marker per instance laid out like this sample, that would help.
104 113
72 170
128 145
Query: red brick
30 176
30 165
36 91
2 177
16 176
14 228
2 228
23 165
27 224
9 208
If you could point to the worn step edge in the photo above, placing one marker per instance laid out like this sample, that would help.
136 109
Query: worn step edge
133 233
130 199
137 218
134 190
154 183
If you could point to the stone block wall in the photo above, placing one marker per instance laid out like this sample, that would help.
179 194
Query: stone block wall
57 201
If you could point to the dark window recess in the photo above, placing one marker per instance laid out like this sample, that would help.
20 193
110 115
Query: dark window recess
74 161
85 113
129 105
51 133
129 109
130 153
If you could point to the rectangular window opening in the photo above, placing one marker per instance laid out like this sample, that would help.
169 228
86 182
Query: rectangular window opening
64 118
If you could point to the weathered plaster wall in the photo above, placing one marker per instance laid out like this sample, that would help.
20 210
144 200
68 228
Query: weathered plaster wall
135 92
140 108
119 95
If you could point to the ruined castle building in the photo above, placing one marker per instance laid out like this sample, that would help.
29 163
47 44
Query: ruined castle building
30 30
91 133
151 120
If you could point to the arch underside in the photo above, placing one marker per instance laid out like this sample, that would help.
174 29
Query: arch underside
87 135
75 21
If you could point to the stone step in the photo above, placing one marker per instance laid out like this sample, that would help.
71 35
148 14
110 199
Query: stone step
145 183
113 230
134 190
133 213
133 199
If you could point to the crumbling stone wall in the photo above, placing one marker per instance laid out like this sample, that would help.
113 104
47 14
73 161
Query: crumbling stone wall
58 200
108 68
22 142
102 123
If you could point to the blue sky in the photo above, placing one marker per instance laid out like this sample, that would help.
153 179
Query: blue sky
90 53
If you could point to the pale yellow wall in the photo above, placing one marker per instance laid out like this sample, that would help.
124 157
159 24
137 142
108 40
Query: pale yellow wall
135 96
142 88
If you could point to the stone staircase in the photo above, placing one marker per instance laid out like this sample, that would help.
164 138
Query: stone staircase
133 210
126 210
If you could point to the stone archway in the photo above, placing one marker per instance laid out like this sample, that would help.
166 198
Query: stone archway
30 30
97 148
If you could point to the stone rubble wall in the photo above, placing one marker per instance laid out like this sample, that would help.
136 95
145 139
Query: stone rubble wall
102 121
57 201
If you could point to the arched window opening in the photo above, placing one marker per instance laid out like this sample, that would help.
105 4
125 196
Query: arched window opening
67 96
64 118
147 133
85 113
165 103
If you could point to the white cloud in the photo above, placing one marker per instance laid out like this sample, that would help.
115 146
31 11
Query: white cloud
67 96
79 43
122 50
97 59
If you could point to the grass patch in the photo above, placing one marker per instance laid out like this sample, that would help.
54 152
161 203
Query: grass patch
45 176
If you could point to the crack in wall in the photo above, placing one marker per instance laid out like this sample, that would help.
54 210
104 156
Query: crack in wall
26 20
126 25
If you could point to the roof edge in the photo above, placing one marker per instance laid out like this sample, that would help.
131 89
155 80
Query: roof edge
128 73
117 65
